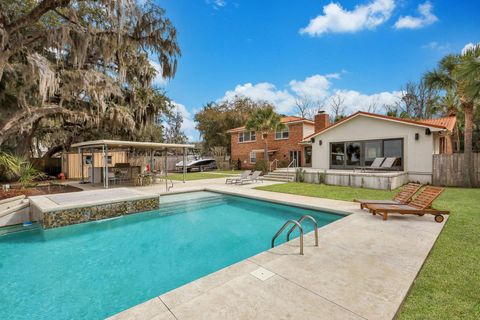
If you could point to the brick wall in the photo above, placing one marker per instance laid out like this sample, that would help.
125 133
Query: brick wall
241 150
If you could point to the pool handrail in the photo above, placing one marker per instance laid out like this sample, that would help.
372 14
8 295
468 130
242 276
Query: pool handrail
283 228
315 225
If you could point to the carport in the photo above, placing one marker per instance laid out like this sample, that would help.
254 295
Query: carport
104 146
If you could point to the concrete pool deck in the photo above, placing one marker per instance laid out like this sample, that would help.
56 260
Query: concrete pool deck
362 269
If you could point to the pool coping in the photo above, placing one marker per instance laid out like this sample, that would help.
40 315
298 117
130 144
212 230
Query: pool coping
92 205
237 194
44 204
197 299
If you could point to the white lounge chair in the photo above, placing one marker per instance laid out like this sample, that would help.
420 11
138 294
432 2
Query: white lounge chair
243 176
253 178
388 163
376 164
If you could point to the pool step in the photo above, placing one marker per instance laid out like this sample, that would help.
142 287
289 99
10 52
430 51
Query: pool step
18 228
178 206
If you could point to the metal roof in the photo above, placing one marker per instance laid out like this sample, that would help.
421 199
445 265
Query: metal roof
420 123
134 144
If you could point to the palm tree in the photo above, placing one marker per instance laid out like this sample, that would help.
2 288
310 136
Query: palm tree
456 75
468 73
264 120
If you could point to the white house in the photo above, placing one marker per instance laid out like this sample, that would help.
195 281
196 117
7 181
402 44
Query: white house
360 138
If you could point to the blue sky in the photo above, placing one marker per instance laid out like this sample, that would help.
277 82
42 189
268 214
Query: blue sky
280 51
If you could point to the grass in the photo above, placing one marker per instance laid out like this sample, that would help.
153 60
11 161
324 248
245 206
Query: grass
228 171
197 176
448 286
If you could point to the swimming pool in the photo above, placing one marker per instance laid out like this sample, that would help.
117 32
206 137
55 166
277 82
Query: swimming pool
96 269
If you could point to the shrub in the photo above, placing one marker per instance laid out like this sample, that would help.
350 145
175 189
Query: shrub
17 168
261 165
321 177
299 175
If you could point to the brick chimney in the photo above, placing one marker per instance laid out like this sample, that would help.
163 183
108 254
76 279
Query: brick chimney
321 121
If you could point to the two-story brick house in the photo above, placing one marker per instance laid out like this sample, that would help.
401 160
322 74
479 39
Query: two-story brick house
284 146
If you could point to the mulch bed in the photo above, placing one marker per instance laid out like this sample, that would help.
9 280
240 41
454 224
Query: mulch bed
35 191
18 192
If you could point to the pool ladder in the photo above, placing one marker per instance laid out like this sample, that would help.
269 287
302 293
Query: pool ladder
299 225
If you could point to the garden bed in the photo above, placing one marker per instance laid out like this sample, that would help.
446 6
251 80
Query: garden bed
38 190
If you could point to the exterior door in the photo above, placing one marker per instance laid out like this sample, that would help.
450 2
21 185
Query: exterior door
295 155
308 156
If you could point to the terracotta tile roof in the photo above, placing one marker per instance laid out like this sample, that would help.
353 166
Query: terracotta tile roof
448 122
286 120
434 123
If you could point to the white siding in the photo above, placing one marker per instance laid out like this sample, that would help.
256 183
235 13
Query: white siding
417 153
308 129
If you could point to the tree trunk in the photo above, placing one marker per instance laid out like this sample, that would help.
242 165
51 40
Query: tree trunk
2 67
265 146
468 145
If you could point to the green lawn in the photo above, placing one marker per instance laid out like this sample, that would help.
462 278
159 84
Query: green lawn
448 286
197 176
228 171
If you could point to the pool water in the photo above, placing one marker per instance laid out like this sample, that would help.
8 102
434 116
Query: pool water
94 270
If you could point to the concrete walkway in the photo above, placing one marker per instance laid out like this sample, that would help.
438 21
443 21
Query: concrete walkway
363 269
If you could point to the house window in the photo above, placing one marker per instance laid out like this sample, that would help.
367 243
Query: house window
253 157
246 136
283 134
373 149
337 154
351 154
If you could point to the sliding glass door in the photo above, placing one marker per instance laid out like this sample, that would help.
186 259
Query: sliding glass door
352 154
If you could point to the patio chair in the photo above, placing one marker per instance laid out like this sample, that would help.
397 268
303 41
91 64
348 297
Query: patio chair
112 177
420 206
376 164
388 163
253 178
403 197
243 176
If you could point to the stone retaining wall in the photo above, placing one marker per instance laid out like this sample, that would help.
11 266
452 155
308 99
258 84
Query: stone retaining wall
65 217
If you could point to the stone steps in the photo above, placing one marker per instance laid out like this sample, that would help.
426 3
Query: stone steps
280 175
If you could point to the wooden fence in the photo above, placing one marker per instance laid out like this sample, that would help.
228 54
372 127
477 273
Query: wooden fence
449 169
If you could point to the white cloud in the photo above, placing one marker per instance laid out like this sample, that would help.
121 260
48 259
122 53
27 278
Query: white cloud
265 91
217 4
434 45
318 89
469 46
188 125
158 80
315 87
426 18
356 101
336 19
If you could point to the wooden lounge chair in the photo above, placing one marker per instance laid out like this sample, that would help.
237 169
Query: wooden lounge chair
403 197
420 205
376 164
243 176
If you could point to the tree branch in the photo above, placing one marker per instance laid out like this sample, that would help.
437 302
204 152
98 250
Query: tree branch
26 118
35 14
